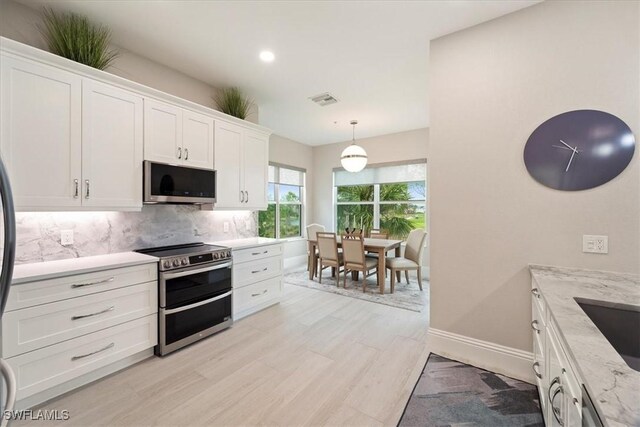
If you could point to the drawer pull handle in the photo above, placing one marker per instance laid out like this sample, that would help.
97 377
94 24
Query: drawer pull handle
535 292
261 293
258 253
535 371
258 271
83 316
534 325
555 381
82 356
82 285
554 409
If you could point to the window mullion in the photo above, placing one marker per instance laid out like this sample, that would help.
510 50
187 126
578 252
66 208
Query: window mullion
277 197
376 206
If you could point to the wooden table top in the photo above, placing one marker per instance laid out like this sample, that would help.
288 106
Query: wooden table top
373 243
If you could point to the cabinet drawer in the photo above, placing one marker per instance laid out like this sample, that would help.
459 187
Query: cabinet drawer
247 273
246 255
46 291
50 366
249 297
36 327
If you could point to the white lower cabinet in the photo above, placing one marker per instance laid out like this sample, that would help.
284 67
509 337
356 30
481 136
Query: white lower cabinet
559 387
64 329
257 279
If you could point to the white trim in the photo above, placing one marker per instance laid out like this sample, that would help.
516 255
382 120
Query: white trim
497 358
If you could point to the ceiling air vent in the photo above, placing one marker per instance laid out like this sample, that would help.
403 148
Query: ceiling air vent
324 99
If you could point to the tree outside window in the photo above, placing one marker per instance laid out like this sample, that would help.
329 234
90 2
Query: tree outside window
396 208
284 215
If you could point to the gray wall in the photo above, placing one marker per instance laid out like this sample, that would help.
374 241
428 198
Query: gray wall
490 87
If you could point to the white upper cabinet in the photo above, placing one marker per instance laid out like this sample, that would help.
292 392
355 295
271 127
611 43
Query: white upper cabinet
256 169
111 146
177 136
197 140
228 159
162 132
41 134
241 161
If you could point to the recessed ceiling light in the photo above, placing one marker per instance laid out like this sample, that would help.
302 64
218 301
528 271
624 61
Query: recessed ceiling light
267 56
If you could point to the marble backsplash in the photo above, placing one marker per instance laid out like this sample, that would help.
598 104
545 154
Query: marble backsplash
97 233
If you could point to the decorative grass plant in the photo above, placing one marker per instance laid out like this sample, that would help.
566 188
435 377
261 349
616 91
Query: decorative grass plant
72 36
233 102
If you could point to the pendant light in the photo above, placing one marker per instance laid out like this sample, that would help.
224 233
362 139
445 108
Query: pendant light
354 158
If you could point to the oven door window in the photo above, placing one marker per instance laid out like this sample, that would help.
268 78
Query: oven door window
191 288
190 321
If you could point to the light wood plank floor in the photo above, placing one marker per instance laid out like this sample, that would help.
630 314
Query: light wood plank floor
315 359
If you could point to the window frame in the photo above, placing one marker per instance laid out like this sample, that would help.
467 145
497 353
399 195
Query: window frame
277 202
377 203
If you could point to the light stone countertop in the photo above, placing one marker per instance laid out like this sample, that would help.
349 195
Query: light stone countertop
24 273
612 385
252 242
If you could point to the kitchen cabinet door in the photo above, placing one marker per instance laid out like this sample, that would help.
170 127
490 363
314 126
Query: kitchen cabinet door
162 132
228 158
197 140
41 134
256 164
111 147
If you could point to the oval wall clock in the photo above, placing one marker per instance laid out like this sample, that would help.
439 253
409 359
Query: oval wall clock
579 149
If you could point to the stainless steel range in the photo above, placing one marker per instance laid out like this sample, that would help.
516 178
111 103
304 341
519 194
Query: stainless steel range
194 293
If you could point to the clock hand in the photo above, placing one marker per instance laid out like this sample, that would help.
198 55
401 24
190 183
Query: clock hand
572 154
567 145
565 148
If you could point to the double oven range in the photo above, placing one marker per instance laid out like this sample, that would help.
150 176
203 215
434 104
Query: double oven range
194 293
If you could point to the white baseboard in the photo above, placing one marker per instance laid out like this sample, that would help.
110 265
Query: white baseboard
295 261
497 358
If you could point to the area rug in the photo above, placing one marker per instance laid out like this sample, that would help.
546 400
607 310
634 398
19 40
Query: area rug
451 393
408 297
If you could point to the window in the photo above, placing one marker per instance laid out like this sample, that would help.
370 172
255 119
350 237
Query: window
284 215
391 198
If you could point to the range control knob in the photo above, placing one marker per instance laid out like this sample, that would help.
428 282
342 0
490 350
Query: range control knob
176 263
166 264
216 255
184 261
228 254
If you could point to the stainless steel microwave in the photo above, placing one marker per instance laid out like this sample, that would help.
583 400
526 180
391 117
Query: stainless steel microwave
166 183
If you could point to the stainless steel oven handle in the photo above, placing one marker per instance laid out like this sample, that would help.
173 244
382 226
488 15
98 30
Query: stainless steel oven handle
169 276
197 304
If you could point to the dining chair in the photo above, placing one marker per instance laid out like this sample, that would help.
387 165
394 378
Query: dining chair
376 234
355 259
328 255
412 259
312 231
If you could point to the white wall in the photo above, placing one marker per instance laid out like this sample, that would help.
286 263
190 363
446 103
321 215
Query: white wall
490 87
292 153
409 145
18 22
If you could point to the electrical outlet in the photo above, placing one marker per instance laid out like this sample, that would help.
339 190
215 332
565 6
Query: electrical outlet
226 226
66 237
595 244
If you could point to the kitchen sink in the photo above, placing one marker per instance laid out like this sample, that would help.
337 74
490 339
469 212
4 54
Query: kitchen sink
620 324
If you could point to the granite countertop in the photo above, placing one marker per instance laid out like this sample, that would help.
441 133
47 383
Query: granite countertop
612 385
252 242
24 273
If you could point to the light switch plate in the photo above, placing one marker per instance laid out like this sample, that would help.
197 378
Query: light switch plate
595 244
66 237
226 227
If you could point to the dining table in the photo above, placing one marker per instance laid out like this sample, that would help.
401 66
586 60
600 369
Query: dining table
378 246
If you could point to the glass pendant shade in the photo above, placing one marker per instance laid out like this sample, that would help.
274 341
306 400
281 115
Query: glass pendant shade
353 158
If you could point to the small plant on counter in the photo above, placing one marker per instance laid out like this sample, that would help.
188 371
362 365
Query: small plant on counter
232 101
72 36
